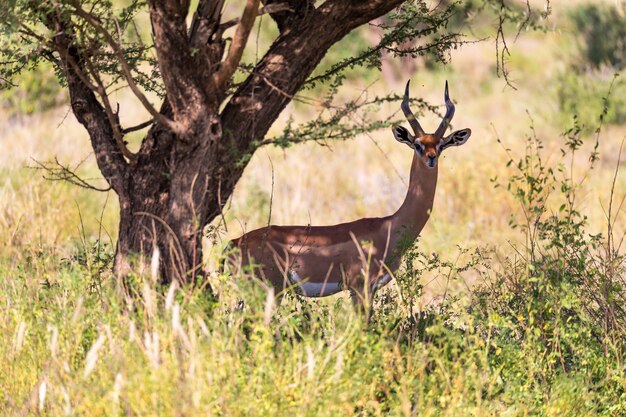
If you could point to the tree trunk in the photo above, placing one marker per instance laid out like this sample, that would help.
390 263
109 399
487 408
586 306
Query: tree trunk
144 228
165 206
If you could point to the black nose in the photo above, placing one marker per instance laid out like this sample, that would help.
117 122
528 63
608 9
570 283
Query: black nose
431 158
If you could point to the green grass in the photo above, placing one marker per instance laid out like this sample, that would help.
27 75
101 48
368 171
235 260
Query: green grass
73 346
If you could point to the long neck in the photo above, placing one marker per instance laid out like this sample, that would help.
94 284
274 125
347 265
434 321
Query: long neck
418 203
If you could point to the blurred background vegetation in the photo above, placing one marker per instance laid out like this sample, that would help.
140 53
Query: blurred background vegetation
511 303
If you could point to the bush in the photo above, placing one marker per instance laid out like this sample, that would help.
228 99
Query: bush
556 311
35 91
603 31
581 87
588 95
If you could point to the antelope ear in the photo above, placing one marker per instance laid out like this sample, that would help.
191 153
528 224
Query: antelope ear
402 135
457 138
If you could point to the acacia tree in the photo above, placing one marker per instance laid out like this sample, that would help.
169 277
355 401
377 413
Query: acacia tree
199 140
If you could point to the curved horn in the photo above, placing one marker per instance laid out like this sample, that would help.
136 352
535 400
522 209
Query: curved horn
448 117
415 125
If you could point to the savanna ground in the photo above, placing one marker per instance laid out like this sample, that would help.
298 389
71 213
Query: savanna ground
511 303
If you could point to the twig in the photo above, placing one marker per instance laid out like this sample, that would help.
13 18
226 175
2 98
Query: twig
60 172
526 21
269 216
137 127
502 52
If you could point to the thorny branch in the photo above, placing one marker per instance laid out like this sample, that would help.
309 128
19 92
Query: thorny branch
334 126
86 107
113 120
101 91
502 48
502 53
125 67
56 171
410 24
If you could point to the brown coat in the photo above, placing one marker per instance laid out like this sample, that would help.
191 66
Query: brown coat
343 256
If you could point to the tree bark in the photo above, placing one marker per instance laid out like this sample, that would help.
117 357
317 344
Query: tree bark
166 206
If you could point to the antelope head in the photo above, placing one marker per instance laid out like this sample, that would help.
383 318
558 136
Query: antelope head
429 146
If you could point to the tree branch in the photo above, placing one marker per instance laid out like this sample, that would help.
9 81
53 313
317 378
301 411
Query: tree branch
56 171
85 105
138 127
183 63
290 60
113 120
279 75
205 22
160 118
238 44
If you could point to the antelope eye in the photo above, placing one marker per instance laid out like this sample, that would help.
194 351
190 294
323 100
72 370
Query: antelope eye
419 147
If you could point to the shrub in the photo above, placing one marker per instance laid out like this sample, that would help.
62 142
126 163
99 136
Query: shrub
557 307
584 96
582 86
603 32
35 91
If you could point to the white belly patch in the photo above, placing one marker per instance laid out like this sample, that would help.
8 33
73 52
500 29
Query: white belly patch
314 289
384 280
